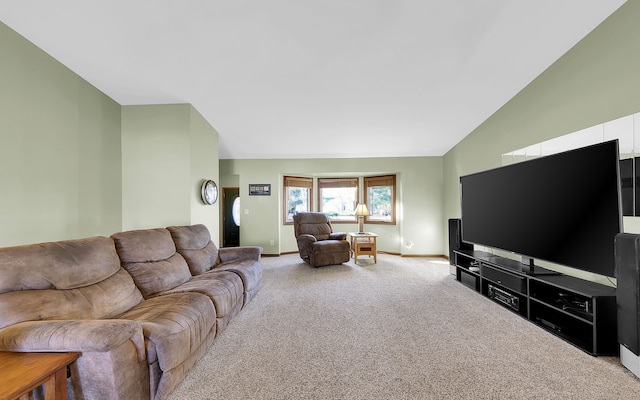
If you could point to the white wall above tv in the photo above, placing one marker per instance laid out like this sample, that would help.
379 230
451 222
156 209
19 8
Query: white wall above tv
625 129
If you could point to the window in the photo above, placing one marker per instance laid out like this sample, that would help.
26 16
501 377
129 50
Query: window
380 197
297 196
338 198
235 211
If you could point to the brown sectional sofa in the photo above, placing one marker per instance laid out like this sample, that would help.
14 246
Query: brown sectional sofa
140 312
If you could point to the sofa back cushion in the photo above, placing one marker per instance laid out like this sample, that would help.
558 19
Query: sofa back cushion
195 245
150 256
73 279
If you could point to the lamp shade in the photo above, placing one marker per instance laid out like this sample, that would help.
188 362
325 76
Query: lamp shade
362 210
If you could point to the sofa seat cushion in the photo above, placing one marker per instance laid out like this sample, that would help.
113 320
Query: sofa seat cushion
174 326
250 271
224 288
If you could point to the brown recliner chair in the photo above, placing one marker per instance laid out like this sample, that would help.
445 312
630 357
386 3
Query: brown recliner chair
318 244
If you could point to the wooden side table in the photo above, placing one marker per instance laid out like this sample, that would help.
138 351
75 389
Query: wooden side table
363 244
20 373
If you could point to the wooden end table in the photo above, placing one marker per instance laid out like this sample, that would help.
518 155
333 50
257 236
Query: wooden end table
20 373
363 244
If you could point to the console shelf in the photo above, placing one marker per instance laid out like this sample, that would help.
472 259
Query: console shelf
582 313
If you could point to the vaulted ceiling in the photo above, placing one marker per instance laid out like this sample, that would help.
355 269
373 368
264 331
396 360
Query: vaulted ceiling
314 78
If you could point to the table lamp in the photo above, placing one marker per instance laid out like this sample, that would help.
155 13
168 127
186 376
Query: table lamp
361 211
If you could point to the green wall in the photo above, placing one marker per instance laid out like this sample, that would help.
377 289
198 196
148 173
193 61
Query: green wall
74 163
596 81
60 165
419 195
204 165
167 150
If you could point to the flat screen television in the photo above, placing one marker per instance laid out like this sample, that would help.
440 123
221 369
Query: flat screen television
563 208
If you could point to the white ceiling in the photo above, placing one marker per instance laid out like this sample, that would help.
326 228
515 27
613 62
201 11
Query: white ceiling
314 78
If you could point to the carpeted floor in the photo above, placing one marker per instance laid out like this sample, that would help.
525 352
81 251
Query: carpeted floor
403 328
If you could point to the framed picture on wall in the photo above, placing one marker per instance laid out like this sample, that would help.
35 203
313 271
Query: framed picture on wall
259 189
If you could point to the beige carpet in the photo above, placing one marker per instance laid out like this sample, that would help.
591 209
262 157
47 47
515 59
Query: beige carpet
403 328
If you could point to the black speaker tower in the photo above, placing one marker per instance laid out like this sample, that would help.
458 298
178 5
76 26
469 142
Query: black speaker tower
627 253
455 238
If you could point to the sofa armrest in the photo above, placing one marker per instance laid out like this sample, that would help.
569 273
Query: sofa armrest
338 236
72 336
112 365
240 253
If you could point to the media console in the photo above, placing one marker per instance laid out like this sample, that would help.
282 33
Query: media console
581 312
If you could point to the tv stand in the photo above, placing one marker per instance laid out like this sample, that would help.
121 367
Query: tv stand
529 267
581 312
537 271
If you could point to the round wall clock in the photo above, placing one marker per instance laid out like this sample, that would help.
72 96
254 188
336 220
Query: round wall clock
209 192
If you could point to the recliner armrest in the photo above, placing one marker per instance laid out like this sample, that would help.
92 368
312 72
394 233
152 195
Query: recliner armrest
307 238
338 236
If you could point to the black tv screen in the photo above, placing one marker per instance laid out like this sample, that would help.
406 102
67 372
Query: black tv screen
563 208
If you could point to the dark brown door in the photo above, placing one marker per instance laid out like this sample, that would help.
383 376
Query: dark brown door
231 217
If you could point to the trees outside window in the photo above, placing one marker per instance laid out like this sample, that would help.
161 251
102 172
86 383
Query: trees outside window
297 196
380 197
338 198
